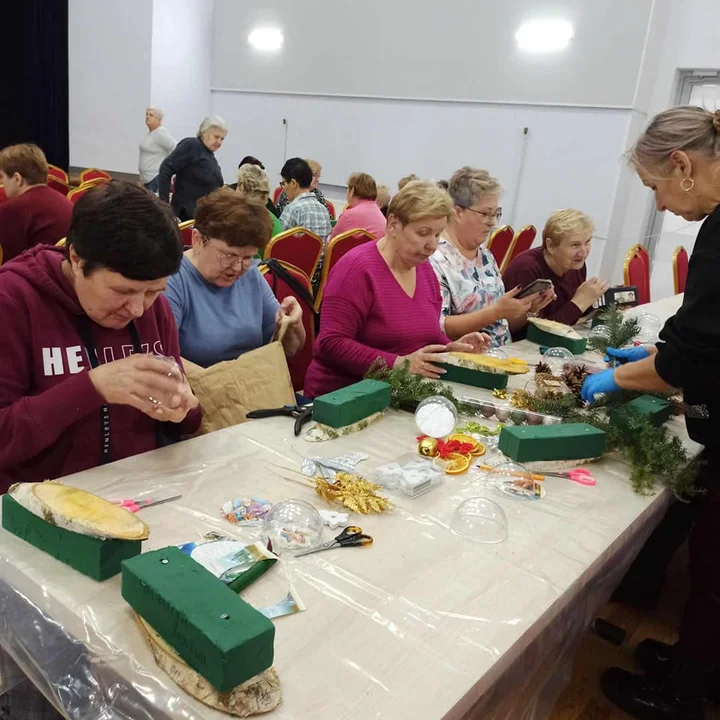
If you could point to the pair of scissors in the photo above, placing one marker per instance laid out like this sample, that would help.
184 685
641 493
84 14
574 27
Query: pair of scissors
301 413
578 475
351 536
135 505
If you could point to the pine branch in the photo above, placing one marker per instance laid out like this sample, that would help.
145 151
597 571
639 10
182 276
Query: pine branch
621 330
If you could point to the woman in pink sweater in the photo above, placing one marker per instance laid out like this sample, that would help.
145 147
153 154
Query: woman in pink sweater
382 300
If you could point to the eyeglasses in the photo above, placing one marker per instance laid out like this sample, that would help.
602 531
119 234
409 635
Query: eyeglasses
228 260
487 215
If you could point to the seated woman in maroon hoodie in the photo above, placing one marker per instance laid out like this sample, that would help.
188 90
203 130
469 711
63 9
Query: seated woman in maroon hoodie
34 213
79 385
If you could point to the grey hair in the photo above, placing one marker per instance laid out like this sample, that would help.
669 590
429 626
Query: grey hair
211 121
159 113
680 128
469 185
252 181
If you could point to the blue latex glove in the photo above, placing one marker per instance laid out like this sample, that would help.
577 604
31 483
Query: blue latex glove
603 382
626 355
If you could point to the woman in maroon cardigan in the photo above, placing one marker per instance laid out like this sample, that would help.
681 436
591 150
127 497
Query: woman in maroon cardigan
566 242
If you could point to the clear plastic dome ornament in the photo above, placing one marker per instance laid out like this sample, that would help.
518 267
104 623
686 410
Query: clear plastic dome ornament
436 417
650 326
599 332
556 358
480 520
496 353
292 526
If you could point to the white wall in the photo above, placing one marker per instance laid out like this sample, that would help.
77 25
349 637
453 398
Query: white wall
109 81
181 59
423 49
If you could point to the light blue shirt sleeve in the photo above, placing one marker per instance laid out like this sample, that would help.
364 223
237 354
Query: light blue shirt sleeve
175 294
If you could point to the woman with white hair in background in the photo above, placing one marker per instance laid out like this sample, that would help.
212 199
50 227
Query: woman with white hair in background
156 146
197 172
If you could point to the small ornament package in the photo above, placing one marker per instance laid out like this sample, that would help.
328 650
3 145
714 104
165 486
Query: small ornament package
410 474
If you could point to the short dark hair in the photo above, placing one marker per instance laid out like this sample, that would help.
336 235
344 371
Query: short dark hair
299 170
237 220
124 228
250 160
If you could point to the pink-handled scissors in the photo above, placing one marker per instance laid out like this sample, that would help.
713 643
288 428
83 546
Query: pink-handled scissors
578 475
135 505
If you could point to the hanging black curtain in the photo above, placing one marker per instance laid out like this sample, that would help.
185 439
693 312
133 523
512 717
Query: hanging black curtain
34 72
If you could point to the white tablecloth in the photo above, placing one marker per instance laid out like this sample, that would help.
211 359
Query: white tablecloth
422 624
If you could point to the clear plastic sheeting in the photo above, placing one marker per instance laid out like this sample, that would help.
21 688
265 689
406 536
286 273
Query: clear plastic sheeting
422 624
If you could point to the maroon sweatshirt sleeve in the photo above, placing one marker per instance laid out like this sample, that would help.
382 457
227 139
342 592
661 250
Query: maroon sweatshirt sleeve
12 230
31 423
171 344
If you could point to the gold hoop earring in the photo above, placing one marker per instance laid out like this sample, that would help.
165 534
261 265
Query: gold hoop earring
692 184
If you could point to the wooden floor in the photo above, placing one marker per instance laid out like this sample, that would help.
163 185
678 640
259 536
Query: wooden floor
582 699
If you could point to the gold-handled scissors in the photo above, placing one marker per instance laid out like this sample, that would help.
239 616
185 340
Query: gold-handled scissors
351 536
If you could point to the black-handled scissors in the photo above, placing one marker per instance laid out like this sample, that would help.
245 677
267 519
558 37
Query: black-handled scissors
301 413
351 536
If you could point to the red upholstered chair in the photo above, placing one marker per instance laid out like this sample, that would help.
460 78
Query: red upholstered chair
680 269
637 272
276 194
499 243
93 174
331 209
59 173
296 246
298 363
522 241
78 192
58 184
336 248
186 230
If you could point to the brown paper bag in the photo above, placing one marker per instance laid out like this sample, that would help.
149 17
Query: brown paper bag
229 390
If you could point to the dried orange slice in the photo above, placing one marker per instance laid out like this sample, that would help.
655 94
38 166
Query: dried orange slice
457 464
478 448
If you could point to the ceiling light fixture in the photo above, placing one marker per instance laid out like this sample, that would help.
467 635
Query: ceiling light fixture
266 38
544 35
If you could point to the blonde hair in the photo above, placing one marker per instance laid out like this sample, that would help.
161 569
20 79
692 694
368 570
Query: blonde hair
419 200
407 179
681 128
315 166
363 186
252 182
383 196
563 223
26 159
469 185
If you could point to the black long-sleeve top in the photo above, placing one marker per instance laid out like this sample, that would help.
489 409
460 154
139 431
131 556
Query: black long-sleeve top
689 349
197 173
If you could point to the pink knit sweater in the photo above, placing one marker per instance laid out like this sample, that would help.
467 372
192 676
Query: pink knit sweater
367 315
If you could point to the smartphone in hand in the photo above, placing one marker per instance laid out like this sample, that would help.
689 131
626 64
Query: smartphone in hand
536 286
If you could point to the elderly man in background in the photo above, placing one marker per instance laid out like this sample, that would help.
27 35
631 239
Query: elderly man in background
304 210
156 146
34 212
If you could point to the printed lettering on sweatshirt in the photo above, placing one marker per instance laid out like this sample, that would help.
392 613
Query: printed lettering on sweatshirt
72 360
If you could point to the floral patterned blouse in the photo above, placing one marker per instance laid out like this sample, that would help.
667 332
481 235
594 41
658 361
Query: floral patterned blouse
468 285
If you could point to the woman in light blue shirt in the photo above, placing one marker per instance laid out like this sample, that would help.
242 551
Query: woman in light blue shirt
222 305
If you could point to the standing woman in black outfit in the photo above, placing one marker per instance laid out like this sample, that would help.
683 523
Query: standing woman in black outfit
192 162
678 158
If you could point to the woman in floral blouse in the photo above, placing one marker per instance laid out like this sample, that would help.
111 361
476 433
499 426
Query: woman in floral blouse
473 294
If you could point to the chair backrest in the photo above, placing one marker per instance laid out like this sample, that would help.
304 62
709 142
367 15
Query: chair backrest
522 241
276 194
75 194
499 243
1 254
186 230
59 173
296 246
58 184
93 174
62 242
680 269
336 248
637 272
298 363
331 209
